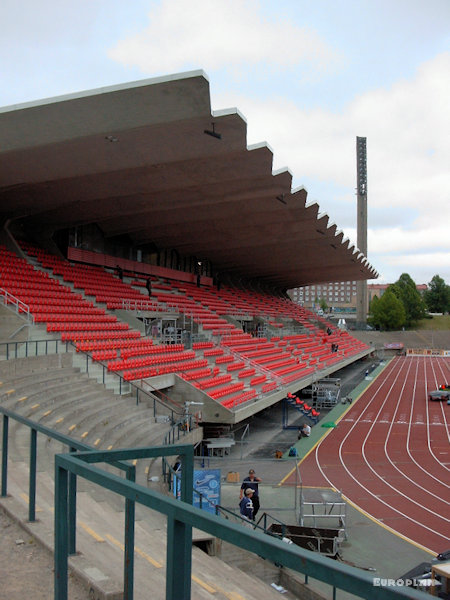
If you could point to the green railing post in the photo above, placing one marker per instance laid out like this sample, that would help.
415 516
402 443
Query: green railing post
179 539
179 560
72 511
5 455
130 510
32 477
61 533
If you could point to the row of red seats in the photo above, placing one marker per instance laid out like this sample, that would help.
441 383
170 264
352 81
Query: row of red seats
199 374
150 348
145 361
93 345
200 345
257 380
268 387
229 389
297 375
86 317
273 359
290 368
87 326
224 359
213 352
213 382
237 366
104 354
239 399
80 336
134 374
281 363
246 373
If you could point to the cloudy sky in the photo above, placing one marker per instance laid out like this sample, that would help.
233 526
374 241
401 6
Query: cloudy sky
308 77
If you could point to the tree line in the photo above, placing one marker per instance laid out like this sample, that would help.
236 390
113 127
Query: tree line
402 305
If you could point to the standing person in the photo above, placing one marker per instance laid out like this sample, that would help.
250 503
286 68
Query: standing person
252 482
148 285
246 505
120 272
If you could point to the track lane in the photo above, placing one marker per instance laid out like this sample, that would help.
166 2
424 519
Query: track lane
384 460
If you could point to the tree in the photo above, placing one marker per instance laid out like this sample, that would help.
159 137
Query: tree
437 297
388 311
323 304
406 291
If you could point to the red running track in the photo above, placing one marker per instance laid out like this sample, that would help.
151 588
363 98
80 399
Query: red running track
390 453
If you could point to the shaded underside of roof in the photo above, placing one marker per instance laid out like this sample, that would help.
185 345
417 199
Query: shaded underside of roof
135 160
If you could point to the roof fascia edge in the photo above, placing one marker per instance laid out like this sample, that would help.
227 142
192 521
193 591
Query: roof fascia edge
106 90
281 171
226 112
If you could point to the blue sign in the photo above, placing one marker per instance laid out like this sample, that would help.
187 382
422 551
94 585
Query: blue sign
207 486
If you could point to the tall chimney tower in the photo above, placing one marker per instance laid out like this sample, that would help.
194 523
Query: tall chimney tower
361 240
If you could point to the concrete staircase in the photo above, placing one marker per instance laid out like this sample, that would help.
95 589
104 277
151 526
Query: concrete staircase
49 390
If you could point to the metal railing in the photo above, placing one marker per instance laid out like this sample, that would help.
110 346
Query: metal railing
17 306
28 349
181 518
71 489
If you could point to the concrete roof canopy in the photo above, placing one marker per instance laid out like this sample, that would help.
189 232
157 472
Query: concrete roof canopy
136 159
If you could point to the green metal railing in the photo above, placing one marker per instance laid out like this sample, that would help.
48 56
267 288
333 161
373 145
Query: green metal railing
74 445
181 517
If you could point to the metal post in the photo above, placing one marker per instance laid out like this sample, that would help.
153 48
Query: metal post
179 558
72 511
179 539
5 455
32 478
61 534
130 509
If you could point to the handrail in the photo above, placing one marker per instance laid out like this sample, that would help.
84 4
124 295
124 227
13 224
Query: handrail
73 444
65 346
181 518
22 309
246 430
29 344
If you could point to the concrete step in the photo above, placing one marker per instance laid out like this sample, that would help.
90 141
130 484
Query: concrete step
36 380
100 536
47 398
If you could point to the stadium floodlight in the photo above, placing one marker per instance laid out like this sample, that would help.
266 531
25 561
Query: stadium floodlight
213 133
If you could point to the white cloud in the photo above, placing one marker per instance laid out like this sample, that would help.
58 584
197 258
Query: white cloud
406 124
219 34
408 156
406 129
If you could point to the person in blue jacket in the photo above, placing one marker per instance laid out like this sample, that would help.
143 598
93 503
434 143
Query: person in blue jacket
252 482
246 504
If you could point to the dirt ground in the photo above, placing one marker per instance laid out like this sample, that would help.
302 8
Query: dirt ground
26 568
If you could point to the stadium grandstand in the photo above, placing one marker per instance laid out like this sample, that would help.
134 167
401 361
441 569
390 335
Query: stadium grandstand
146 253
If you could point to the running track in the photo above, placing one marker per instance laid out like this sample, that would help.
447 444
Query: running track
390 453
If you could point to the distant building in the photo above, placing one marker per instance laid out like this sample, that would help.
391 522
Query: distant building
378 289
338 294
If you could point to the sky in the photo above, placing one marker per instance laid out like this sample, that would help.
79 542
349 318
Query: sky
309 77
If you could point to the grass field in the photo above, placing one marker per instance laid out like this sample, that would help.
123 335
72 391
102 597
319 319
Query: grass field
438 323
